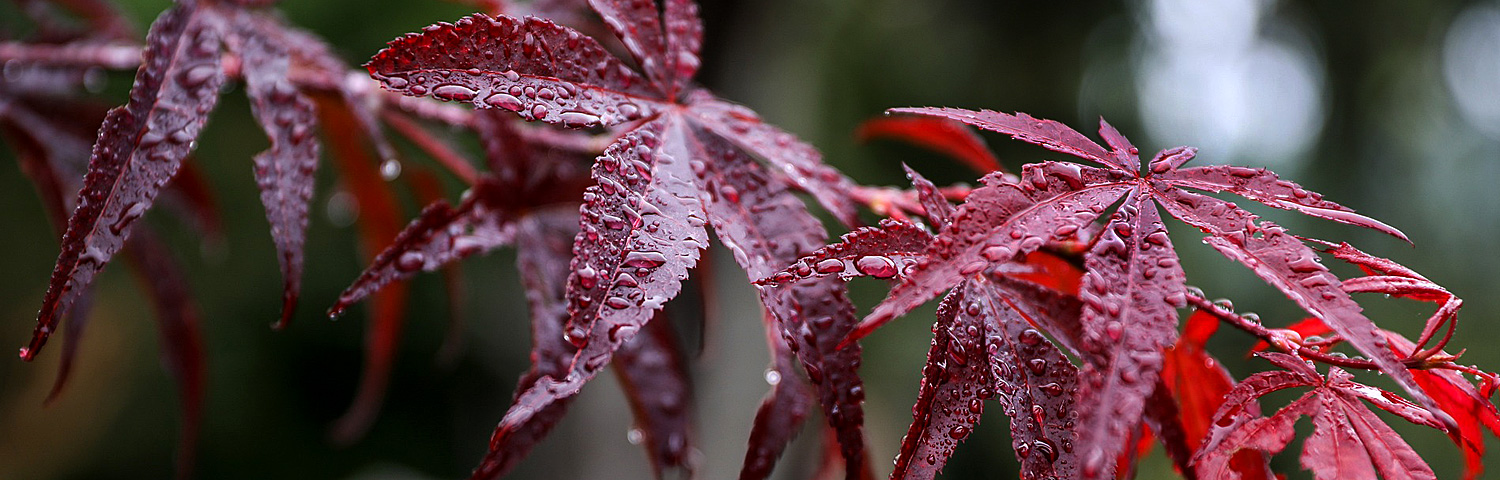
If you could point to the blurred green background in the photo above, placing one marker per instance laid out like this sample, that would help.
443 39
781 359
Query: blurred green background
1390 107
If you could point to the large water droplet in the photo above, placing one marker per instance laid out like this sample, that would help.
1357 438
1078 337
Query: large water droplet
830 265
390 169
410 261
453 92
876 266
645 259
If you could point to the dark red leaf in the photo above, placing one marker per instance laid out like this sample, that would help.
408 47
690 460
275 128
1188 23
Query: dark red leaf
438 236
939 135
936 207
799 161
1292 267
882 252
285 171
1199 385
684 40
638 237
656 382
1037 386
816 316
1347 441
637 23
1132 275
1458 397
1165 419
140 147
1047 133
544 250
955 383
781 411
1125 154
998 222
532 66
1265 187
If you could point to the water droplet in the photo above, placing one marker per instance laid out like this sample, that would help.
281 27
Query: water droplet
876 266
997 253
1044 447
972 268
617 302
1224 304
1305 264
197 75
958 432
410 261
1053 389
1038 366
576 119
1031 337
1114 330
773 377
830 265
645 259
390 169
622 332
501 100
577 336
453 92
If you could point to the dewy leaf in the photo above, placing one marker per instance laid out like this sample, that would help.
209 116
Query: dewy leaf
656 383
1457 396
684 40
285 172
1265 187
1347 441
765 226
638 25
555 74
816 316
140 147
982 349
949 401
781 411
940 135
797 160
1047 133
1131 272
1292 267
937 208
1037 386
544 250
998 222
531 66
881 251
1199 384
639 234
438 236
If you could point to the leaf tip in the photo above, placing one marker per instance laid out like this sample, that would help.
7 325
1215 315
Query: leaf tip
288 307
